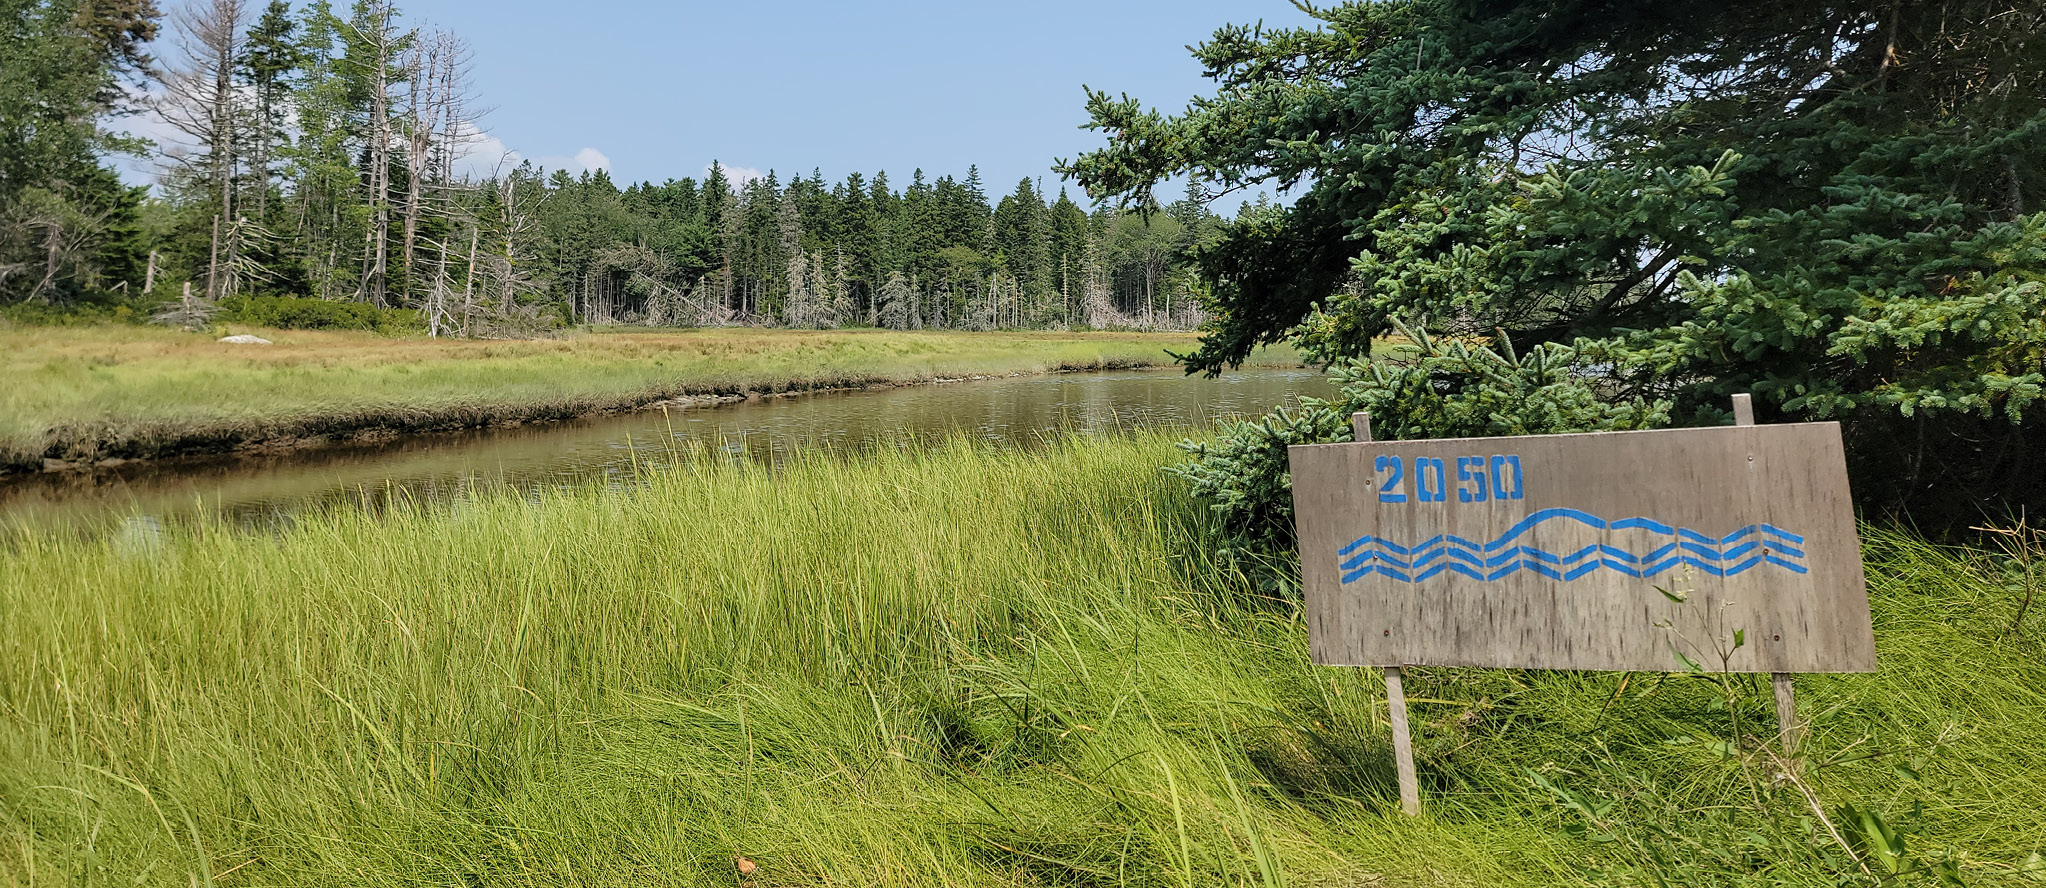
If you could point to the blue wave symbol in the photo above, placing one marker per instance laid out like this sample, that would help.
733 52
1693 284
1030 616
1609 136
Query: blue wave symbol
1722 556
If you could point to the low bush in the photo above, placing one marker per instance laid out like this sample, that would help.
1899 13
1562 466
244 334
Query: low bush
301 313
106 308
1435 388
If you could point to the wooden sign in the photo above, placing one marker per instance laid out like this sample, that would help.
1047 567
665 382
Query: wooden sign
1565 551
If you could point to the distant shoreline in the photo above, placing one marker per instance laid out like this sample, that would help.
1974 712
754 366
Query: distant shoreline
315 390
376 425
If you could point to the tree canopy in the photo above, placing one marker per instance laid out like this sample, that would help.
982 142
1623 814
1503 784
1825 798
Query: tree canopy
1833 206
322 152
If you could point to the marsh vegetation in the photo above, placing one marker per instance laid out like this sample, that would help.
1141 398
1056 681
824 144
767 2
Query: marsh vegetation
973 666
119 391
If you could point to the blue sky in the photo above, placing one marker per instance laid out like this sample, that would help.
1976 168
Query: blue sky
657 90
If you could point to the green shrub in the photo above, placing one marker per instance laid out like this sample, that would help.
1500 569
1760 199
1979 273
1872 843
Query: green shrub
97 309
1442 389
301 313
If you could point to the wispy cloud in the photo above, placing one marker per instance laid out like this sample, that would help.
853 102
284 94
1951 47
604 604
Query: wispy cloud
484 155
738 175
588 160
480 155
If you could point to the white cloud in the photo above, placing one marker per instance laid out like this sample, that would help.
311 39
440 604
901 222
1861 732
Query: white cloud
592 159
485 156
482 155
738 175
478 154
585 161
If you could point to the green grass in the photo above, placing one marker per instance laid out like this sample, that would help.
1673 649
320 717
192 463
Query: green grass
116 391
965 667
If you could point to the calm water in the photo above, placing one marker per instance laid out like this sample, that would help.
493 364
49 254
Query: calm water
259 489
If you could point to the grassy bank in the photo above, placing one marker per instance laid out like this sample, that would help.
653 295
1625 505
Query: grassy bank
87 393
972 667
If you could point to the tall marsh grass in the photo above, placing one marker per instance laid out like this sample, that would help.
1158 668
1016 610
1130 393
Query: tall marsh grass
964 667
116 391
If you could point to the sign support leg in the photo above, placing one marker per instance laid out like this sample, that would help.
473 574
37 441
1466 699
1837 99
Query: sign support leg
1787 728
1402 741
1395 691
1786 693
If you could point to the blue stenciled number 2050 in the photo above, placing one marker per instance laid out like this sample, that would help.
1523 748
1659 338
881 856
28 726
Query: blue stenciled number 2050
1478 479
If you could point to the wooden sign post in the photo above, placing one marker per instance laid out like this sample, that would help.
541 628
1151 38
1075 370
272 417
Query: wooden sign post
1626 551
1780 682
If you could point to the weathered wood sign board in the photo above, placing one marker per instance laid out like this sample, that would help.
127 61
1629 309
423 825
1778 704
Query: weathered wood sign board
1546 552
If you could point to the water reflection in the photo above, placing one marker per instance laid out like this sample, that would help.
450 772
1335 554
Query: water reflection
264 489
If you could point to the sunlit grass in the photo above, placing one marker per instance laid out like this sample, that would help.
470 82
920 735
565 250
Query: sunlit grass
127 391
967 667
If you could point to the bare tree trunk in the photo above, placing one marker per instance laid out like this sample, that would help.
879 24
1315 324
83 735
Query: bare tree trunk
375 286
508 188
436 300
53 253
199 102
1150 285
260 166
227 15
417 128
213 263
469 279
456 127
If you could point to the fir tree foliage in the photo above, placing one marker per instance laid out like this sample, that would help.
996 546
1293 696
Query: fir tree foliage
1833 207
1440 387
69 229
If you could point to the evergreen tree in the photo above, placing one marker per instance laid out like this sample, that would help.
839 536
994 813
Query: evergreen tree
798 303
1835 207
1022 238
897 309
270 56
328 221
1067 251
67 225
858 240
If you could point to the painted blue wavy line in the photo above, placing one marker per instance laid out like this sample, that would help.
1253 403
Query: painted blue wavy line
1421 558
1586 518
1787 565
1684 534
1723 556
1696 553
1457 567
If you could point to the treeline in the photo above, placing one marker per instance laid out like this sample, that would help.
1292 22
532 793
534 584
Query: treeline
817 254
325 154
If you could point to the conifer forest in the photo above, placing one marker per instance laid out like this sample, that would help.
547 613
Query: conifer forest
331 154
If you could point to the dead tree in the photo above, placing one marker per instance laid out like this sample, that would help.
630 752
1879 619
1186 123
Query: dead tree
200 102
379 34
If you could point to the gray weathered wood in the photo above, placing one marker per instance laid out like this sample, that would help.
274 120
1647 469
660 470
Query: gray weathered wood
1787 727
1781 683
1402 740
1713 482
1743 409
1395 692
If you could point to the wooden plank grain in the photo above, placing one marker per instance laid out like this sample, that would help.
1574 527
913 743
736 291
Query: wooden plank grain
1737 529
1395 692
